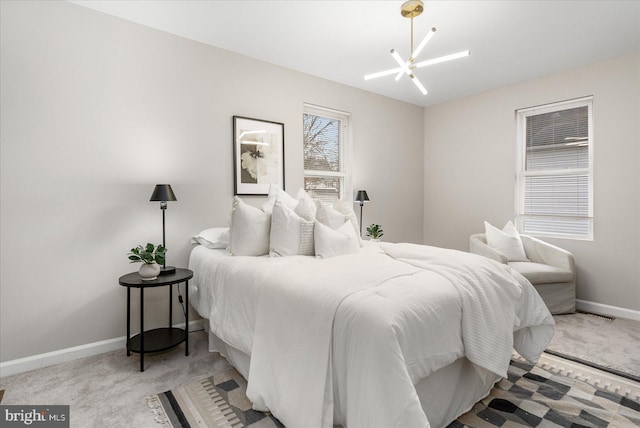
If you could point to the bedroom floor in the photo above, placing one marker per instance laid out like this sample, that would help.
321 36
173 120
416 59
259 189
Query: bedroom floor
108 390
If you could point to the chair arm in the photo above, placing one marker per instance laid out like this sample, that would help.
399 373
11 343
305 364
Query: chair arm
476 246
542 252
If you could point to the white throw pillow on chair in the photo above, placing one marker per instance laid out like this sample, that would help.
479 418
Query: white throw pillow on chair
507 241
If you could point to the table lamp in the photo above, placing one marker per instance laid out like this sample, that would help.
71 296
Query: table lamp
361 197
163 194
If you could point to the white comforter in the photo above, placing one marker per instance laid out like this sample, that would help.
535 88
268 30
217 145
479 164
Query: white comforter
345 339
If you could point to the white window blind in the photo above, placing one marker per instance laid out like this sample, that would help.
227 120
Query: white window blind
325 140
555 170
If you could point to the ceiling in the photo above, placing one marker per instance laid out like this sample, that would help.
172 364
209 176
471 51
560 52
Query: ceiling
510 41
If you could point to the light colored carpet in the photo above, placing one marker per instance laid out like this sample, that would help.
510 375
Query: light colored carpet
605 342
108 390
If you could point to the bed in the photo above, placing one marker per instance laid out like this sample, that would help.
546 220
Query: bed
400 335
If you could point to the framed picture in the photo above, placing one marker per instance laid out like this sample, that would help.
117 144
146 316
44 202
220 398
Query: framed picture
258 155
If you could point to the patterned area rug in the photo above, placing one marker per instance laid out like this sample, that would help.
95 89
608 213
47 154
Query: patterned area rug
553 393
556 393
218 401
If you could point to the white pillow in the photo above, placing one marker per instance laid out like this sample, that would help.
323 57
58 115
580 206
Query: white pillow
306 207
275 192
249 232
507 241
329 216
345 207
331 243
291 234
214 237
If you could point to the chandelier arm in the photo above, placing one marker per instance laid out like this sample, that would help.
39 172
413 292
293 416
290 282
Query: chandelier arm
383 73
424 42
417 51
400 62
445 58
415 80
406 71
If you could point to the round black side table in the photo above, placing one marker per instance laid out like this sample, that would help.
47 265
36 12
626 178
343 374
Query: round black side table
158 339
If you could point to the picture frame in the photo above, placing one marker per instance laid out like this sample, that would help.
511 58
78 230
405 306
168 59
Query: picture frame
258 155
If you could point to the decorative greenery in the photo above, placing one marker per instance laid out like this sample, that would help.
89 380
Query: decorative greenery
148 254
375 231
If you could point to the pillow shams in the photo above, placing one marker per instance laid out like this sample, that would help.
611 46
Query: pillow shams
214 237
345 207
276 193
331 243
306 207
250 229
507 241
290 233
329 216
335 216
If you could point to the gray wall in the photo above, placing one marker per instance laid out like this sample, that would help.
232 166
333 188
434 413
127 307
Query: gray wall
470 153
96 110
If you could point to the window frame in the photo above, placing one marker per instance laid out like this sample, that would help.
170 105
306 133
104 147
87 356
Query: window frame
521 172
345 148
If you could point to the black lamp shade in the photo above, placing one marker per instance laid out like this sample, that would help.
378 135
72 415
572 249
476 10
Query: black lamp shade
362 196
163 193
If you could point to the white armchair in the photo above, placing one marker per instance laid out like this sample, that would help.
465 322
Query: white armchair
551 270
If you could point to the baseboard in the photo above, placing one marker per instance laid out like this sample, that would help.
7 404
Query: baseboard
21 365
612 311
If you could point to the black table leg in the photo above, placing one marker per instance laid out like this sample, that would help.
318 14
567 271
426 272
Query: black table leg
171 305
141 329
186 318
128 320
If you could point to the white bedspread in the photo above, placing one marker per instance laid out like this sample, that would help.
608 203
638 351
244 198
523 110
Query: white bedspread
364 328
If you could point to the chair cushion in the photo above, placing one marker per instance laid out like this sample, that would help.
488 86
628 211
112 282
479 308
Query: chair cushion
538 273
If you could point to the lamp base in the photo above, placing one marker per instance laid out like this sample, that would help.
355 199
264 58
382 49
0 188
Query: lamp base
167 270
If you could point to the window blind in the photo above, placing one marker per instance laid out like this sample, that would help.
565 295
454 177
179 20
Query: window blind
324 140
555 173
322 143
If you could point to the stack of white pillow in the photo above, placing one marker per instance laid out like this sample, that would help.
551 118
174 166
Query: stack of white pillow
287 226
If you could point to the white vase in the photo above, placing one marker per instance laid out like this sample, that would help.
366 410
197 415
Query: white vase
149 272
375 240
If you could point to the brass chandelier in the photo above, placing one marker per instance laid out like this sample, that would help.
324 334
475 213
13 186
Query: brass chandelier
410 9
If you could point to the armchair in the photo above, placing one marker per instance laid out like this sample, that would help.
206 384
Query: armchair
551 270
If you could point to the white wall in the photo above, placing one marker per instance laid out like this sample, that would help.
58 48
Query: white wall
470 151
96 110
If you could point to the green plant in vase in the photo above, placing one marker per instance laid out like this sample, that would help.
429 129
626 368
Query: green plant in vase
151 256
375 232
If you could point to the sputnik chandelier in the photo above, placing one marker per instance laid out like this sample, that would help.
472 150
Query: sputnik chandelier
411 9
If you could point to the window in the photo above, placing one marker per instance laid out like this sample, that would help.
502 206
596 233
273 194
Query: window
326 144
555 170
